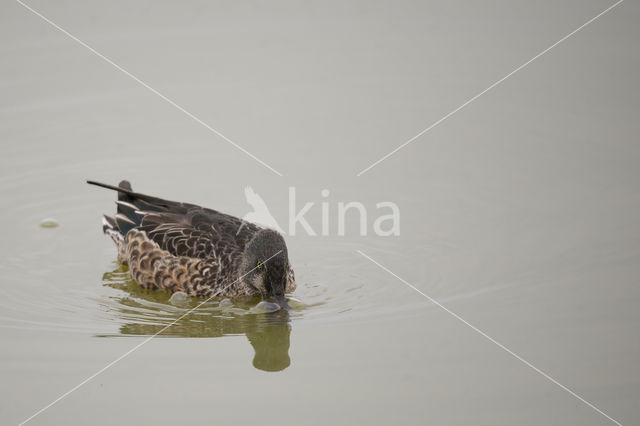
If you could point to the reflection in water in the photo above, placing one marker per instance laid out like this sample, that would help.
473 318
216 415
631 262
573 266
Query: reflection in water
146 312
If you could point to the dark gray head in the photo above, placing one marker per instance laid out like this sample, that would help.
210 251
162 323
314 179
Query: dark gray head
266 265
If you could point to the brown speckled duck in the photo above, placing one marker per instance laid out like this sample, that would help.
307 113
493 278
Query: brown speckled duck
176 246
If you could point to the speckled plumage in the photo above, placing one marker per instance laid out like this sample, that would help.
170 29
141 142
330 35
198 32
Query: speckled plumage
176 246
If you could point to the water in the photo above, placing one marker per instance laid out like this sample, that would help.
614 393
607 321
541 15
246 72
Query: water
518 213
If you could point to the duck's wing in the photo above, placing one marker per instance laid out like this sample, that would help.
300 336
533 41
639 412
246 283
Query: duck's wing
198 233
180 228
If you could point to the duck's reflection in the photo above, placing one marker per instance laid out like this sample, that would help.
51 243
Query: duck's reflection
147 312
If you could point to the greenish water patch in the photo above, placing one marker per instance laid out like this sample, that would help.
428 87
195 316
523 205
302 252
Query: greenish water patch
144 312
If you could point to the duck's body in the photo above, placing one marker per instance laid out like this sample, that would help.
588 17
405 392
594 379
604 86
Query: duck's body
176 246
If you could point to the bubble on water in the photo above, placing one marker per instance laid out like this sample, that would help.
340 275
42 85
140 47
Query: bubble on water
265 307
179 298
49 223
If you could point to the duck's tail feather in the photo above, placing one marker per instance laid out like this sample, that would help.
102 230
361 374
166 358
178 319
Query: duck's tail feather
123 187
126 193
110 228
108 223
133 206
125 219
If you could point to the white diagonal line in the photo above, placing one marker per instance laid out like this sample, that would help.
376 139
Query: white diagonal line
488 88
491 339
142 83
136 347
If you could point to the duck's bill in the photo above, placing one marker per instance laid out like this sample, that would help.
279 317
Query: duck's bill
280 301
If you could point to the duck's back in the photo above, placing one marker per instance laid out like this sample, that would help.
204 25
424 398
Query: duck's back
182 229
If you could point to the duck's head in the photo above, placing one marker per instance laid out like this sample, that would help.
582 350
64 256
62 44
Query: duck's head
266 266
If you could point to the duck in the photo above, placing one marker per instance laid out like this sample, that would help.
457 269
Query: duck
180 247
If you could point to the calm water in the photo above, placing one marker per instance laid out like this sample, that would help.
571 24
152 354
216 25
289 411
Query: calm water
519 213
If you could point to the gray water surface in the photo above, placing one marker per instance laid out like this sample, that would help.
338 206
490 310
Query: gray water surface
519 213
